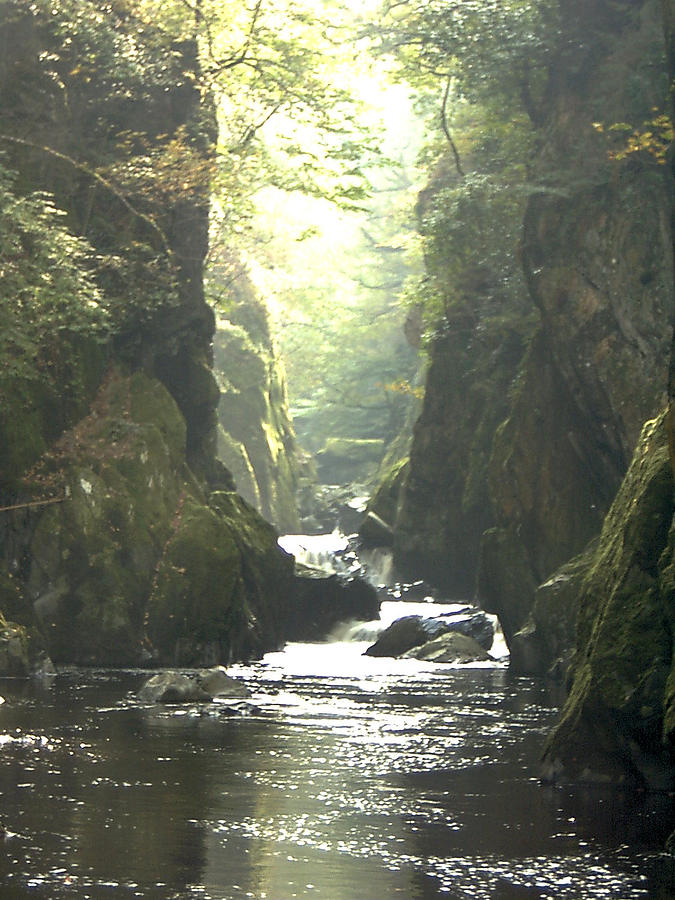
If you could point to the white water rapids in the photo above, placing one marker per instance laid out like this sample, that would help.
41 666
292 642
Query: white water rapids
332 553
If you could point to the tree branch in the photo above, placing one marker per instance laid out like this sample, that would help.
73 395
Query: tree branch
81 167
446 128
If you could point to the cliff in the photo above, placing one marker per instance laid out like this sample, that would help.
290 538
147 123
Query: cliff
256 439
533 407
122 541
618 723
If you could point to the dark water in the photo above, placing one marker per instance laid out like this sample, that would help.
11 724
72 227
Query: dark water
350 779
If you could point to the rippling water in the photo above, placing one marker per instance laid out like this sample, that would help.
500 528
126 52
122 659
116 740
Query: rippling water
351 778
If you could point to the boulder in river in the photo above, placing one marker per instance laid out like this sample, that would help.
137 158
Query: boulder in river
202 686
14 652
322 600
450 647
415 631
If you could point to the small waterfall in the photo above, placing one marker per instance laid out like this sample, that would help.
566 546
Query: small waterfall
335 553
320 551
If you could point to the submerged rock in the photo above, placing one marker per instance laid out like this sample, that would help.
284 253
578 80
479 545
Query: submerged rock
415 631
203 686
449 648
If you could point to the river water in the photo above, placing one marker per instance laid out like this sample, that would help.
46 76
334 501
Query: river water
345 777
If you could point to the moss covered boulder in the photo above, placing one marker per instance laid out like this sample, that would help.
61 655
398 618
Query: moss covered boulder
137 563
376 529
617 724
221 585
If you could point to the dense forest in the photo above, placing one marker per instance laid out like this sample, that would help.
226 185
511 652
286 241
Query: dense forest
229 277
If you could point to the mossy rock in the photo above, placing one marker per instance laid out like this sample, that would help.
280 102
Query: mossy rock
545 643
612 725
221 587
93 556
196 606
235 457
385 499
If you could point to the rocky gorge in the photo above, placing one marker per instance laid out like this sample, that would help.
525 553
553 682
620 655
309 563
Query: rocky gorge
528 498
148 459
123 540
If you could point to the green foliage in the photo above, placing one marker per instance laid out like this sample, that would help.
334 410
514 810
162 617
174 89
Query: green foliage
495 51
46 287
480 68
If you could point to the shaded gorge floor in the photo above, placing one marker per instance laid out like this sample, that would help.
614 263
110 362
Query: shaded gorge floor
350 778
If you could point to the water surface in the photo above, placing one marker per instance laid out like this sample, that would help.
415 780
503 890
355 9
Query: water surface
350 778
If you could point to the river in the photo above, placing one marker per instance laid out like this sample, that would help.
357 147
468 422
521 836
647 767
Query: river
348 778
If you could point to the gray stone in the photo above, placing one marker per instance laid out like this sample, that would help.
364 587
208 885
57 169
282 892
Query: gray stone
449 648
203 686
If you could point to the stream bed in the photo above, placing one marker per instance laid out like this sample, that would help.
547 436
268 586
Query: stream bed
348 778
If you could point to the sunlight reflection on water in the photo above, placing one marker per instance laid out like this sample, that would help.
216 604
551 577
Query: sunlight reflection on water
352 778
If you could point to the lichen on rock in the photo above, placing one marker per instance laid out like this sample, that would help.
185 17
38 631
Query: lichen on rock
617 722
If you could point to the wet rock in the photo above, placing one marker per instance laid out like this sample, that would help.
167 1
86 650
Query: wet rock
618 723
401 636
476 626
321 601
415 631
203 686
545 643
14 653
375 532
449 648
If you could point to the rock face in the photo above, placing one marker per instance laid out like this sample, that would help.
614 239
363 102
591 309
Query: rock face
137 563
256 440
443 504
544 644
598 263
137 550
322 601
618 723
